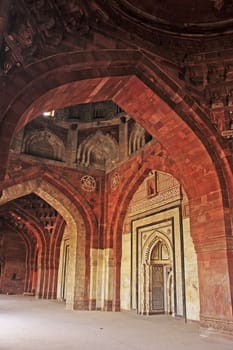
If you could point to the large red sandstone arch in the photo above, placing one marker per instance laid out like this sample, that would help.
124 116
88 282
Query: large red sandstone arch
145 93
37 175
88 76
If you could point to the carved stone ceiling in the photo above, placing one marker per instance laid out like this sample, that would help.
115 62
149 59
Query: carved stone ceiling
36 29
35 207
191 41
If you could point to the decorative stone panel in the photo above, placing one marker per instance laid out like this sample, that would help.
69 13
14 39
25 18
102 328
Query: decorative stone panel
98 150
45 144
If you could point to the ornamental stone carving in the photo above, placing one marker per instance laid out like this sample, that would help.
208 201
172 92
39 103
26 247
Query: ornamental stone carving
115 181
88 183
137 138
98 150
45 144
38 27
210 82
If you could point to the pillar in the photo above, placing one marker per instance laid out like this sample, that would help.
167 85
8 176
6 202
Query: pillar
215 258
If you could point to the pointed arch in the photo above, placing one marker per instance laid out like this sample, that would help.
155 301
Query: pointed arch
150 244
79 229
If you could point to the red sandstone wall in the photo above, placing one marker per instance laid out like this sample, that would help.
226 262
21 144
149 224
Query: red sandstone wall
14 267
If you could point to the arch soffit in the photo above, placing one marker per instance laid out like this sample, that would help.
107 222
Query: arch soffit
27 239
85 66
32 228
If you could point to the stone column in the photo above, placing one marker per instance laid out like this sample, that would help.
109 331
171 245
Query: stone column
18 141
80 266
40 275
215 261
72 144
93 278
123 139
147 290
142 291
109 280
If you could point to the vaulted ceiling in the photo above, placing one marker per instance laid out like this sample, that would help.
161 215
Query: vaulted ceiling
181 13
183 37
31 29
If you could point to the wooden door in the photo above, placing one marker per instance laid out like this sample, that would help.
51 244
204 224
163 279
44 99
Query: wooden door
157 290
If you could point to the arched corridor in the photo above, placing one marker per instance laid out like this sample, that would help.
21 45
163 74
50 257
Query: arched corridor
34 216
116 157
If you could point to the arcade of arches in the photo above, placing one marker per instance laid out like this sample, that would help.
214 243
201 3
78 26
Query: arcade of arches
116 156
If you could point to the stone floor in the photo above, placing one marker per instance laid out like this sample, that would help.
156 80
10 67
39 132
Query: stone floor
26 323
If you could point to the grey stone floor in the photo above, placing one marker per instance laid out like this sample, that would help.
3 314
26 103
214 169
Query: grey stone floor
30 324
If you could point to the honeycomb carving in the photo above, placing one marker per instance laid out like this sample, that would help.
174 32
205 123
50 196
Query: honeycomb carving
41 210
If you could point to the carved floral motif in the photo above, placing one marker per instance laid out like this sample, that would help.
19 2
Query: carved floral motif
115 181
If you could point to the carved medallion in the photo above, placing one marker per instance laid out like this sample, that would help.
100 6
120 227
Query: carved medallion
115 180
88 183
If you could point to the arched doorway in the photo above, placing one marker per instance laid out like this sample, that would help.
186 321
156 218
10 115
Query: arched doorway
160 270
156 271
158 252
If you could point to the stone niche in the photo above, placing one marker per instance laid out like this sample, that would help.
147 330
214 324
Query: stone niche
45 144
99 150
158 255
